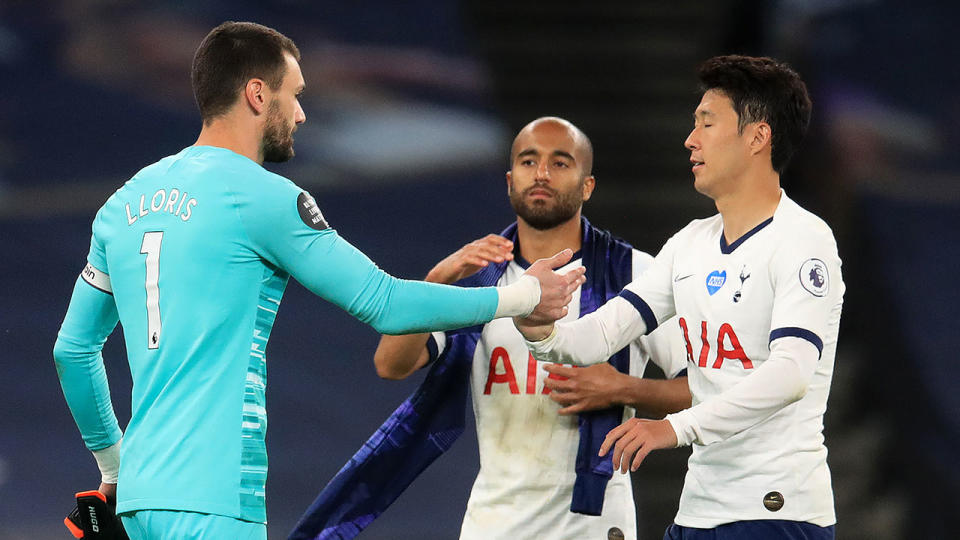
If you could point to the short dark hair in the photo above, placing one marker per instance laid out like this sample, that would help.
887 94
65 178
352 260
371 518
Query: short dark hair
232 54
762 90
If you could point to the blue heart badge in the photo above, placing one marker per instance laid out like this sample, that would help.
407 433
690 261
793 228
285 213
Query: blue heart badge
716 280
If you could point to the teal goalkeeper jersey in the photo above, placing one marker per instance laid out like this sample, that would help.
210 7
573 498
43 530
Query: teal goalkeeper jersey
192 255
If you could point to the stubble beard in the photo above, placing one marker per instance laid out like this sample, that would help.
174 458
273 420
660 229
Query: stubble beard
540 214
277 141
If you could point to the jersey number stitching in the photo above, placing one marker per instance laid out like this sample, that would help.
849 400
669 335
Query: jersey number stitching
151 248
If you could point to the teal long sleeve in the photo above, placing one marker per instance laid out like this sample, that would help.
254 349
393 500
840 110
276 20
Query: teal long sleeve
340 273
91 317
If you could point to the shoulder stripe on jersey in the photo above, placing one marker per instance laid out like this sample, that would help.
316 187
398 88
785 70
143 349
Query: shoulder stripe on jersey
802 333
97 279
726 250
432 350
645 312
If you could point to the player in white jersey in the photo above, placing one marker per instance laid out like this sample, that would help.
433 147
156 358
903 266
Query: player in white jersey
528 453
757 293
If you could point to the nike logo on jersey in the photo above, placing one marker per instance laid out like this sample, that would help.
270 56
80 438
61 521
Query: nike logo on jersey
681 278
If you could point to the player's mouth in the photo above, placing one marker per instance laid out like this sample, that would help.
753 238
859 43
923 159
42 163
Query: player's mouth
540 193
697 165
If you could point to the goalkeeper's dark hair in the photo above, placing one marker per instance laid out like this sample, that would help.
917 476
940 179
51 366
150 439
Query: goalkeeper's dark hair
232 54
762 90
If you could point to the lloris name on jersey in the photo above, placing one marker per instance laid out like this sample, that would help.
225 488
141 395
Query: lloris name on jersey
172 202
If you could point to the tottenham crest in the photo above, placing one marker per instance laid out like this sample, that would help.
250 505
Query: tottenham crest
814 277
310 213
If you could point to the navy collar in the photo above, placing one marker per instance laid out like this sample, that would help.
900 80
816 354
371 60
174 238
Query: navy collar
728 249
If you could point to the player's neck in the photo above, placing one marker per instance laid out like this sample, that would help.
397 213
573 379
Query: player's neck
536 244
226 133
752 203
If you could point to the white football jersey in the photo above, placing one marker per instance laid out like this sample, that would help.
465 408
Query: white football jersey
772 298
527 450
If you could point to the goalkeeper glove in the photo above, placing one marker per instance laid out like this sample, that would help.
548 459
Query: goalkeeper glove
95 518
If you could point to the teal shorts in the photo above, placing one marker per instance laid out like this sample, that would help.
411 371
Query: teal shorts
176 525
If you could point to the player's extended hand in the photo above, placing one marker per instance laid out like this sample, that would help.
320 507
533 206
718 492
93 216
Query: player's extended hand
634 439
556 291
469 259
584 388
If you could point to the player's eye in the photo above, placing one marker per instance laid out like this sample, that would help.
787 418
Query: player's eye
561 164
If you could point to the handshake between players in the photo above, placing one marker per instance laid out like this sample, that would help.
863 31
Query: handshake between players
556 290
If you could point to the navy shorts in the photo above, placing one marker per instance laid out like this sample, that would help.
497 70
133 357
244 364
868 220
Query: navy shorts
761 529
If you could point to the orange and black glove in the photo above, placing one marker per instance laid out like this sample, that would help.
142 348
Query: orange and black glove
95 518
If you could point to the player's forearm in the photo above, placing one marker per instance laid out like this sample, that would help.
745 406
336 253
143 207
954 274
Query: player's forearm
656 398
84 383
397 357
339 272
566 345
404 307
90 318
593 338
780 381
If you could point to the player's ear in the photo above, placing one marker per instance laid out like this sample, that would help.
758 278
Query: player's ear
762 137
509 183
254 93
589 183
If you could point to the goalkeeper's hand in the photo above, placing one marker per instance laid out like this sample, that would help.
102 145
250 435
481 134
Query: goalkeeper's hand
95 518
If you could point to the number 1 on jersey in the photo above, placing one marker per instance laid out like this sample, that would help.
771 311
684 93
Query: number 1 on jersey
151 248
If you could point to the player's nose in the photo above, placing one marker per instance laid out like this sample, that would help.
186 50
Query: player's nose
692 142
543 170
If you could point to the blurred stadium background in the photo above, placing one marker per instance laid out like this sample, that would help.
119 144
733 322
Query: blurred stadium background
411 107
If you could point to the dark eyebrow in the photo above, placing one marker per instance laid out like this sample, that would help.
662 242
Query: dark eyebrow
534 152
702 112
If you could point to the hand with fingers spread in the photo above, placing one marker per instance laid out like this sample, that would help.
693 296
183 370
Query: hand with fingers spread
634 439
556 292
585 388
472 257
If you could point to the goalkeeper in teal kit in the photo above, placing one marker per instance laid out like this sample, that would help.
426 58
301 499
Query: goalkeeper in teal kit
192 256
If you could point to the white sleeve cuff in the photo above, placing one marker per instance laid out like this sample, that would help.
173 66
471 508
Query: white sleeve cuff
684 426
540 349
591 339
108 460
519 298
